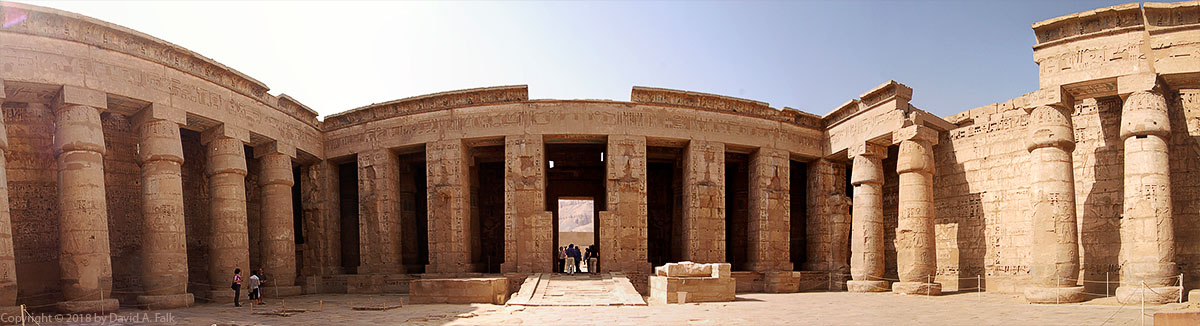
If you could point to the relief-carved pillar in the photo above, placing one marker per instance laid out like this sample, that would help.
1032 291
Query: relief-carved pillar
449 217
623 233
84 262
770 211
8 264
866 235
704 202
916 251
378 213
278 223
528 227
325 174
164 250
229 242
1147 233
1054 255
828 229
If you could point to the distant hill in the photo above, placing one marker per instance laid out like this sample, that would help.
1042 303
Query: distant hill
575 216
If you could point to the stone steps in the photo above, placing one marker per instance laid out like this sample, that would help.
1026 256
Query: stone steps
608 289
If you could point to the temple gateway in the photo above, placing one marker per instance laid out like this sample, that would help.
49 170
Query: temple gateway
139 173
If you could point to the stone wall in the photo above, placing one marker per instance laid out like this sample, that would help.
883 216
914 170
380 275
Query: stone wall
33 198
122 187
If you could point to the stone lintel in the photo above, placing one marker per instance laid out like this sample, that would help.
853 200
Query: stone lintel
158 111
867 149
225 131
1054 96
914 132
1136 82
281 147
74 95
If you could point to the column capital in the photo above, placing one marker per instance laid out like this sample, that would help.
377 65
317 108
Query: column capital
914 133
158 111
1050 126
275 147
224 131
867 149
74 95
1145 113
1054 97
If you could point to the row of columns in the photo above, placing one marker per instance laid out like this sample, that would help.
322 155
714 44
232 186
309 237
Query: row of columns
916 255
84 259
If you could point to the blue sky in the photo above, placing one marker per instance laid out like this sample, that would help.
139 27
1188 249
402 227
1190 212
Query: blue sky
810 55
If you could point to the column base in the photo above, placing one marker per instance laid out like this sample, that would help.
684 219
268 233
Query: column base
169 301
224 296
88 307
867 286
1036 294
917 288
1154 295
282 291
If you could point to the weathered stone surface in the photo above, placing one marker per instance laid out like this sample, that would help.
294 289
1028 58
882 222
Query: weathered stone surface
528 230
449 219
278 240
718 285
1055 254
85 264
626 215
1147 231
164 246
704 202
228 239
866 243
916 251
492 290
770 211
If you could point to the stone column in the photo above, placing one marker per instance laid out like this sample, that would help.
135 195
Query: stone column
704 202
916 251
8 263
1054 252
528 227
866 224
449 215
164 246
379 213
1147 233
828 248
84 260
229 240
623 224
770 211
278 231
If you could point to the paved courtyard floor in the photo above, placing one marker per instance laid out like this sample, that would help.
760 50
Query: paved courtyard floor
816 308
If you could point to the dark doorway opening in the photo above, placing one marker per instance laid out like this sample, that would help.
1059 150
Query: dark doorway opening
798 187
414 226
663 196
576 170
348 211
737 191
487 207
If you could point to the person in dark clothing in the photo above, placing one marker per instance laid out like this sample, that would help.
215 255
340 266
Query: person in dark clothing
237 286
574 253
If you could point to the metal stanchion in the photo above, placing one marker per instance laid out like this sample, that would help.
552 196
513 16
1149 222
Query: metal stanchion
1057 283
1106 285
23 313
1143 316
1180 287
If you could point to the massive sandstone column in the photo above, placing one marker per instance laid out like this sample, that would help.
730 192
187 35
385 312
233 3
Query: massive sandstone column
1055 249
8 264
379 213
866 224
1147 234
277 229
528 227
770 211
449 215
704 202
84 260
229 242
916 251
623 223
164 245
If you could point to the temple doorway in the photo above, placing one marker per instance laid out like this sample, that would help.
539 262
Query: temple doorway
575 173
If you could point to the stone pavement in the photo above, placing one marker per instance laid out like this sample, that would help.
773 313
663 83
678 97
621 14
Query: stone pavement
824 308
604 289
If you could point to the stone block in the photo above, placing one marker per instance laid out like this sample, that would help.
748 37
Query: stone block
718 286
494 290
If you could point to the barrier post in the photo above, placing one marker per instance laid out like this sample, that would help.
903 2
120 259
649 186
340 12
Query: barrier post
1143 316
1057 283
1106 284
322 307
1180 287
978 288
23 315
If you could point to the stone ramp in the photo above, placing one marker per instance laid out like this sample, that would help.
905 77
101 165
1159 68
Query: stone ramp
607 289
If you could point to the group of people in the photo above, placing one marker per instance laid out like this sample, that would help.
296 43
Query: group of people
257 280
569 257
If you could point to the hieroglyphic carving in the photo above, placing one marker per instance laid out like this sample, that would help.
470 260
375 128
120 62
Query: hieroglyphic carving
426 103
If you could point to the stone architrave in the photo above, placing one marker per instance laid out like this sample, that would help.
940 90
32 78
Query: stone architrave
528 227
8 263
449 218
916 251
704 201
1148 268
1054 254
379 213
770 211
277 229
164 247
866 235
85 264
623 224
229 242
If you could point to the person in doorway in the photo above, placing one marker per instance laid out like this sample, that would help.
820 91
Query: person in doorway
593 259
559 259
573 251
262 284
254 287
237 286
570 259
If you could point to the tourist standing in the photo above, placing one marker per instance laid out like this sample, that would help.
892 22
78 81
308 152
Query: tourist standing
570 259
593 261
573 251
237 286
262 284
560 259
